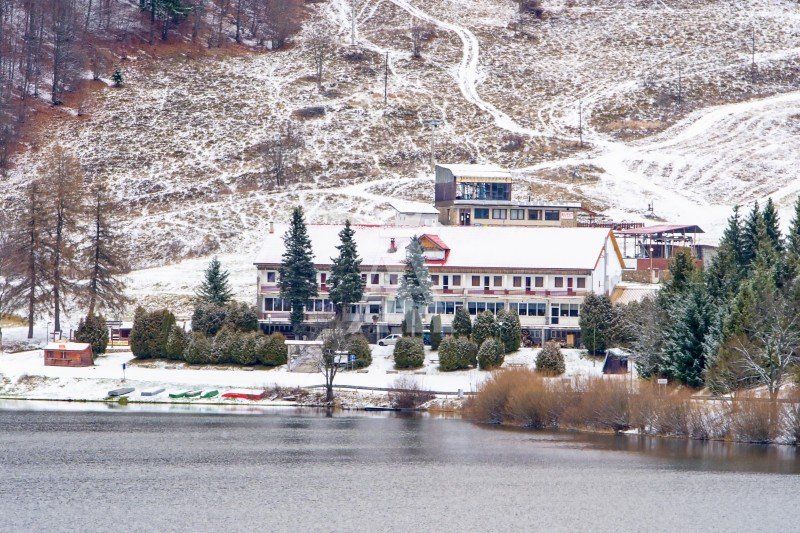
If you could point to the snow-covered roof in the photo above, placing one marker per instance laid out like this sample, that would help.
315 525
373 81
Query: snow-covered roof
469 246
64 345
477 171
407 207
629 291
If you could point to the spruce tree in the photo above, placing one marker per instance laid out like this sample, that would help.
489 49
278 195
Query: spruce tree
462 324
725 272
752 233
772 225
346 285
684 350
596 322
485 328
682 270
298 276
793 239
510 330
215 288
415 285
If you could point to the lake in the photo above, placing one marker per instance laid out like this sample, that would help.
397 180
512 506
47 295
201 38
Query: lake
110 468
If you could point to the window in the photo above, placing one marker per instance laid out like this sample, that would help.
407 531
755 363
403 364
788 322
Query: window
363 278
538 281
271 277
472 308
574 310
375 279
457 280
551 214
559 281
517 282
517 214
580 283
323 278
435 279
374 309
541 308
522 309
393 279
497 281
534 214
476 281
499 214
481 214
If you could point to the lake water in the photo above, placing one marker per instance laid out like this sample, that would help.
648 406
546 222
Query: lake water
298 470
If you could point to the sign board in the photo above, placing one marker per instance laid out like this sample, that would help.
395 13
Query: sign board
567 215
662 381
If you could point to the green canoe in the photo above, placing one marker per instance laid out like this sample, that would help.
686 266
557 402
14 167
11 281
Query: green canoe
179 394
193 394
210 394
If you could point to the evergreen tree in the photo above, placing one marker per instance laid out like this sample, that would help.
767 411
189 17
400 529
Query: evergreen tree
682 270
725 272
772 225
117 78
793 239
436 332
346 285
298 276
215 288
684 350
462 323
415 285
485 328
509 330
93 330
596 322
752 233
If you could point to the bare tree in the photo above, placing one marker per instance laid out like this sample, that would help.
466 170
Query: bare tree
10 287
355 5
62 180
416 38
334 353
282 19
65 58
320 45
104 260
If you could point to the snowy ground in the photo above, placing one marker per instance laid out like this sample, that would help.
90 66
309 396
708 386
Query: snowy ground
24 375
180 144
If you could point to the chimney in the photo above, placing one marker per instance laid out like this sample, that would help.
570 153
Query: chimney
271 227
392 246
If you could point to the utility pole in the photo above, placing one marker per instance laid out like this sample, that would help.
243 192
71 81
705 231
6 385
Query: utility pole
753 55
433 124
386 80
353 21
580 122
680 84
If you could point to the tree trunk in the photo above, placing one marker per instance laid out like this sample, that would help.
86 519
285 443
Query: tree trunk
329 392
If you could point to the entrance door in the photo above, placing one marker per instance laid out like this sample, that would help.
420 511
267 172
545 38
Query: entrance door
464 217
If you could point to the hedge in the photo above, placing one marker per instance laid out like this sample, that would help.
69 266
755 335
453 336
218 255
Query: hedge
491 354
550 360
93 330
457 353
148 339
358 345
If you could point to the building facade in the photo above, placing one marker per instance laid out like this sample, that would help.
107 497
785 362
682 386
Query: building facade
480 195
542 273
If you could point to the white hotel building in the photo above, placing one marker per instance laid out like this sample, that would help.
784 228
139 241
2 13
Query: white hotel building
542 273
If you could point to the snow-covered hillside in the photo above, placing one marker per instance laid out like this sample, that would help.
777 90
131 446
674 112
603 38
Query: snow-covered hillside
180 141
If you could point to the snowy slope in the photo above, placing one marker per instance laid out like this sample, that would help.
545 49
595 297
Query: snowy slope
180 142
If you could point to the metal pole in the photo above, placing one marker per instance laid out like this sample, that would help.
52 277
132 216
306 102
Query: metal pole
386 80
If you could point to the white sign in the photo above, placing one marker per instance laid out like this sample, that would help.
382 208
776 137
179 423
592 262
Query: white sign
567 215
662 381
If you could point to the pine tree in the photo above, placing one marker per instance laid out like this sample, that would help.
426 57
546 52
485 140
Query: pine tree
684 350
214 287
346 285
510 330
105 289
726 270
462 324
485 328
682 270
772 225
415 285
117 78
436 331
752 233
298 276
596 322
793 239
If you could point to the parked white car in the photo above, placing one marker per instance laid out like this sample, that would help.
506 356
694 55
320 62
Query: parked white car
389 340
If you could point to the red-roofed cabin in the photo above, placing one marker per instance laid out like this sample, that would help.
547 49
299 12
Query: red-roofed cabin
62 353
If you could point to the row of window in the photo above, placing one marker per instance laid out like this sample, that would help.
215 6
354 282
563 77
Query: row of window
484 191
483 213
317 305
447 281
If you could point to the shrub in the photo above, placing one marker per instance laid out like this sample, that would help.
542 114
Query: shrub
534 403
358 345
484 328
148 339
241 317
490 354
602 404
230 347
409 352
406 393
198 349
462 323
457 354
509 330
754 420
93 330
247 354
436 332
272 350
208 318
489 404
550 360
176 343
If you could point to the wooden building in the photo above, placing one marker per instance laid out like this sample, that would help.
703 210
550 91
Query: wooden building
63 353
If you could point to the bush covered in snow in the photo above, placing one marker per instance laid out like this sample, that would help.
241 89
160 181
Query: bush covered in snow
510 330
358 345
93 330
198 349
210 318
409 352
491 354
485 327
550 360
176 344
272 350
457 353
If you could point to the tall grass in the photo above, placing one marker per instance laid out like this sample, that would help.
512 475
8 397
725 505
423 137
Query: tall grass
521 397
